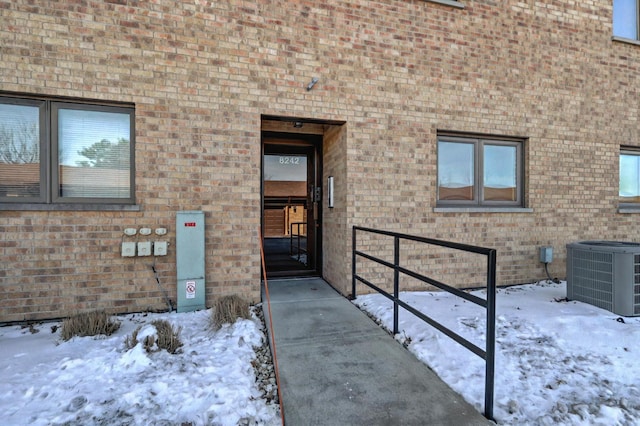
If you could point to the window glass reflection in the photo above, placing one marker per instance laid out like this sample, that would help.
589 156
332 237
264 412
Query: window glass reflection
625 18
94 154
292 168
455 171
500 173
19 151
630 178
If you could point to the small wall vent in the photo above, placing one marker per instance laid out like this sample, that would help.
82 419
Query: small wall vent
605 274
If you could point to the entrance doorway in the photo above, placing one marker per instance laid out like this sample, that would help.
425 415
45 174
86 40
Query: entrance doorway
291 203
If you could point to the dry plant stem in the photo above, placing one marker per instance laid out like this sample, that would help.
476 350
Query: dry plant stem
88 324
168 338
228 309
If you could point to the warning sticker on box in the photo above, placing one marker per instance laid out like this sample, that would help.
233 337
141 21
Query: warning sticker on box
191 289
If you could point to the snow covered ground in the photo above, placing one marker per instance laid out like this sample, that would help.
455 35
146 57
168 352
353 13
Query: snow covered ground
96 381
557 362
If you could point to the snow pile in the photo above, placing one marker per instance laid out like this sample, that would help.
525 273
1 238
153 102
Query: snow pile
89 381
557 361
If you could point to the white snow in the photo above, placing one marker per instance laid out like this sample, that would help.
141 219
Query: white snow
558 362
91 381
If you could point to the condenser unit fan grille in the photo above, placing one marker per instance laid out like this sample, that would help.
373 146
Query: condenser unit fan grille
593 278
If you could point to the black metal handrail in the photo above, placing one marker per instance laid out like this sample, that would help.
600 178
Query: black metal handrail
299 236
488 353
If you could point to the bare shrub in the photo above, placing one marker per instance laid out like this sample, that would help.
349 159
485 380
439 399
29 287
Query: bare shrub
228 309
131 341
92 323
166 337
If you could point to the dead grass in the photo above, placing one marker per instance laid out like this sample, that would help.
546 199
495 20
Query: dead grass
92 323
166 337
227 309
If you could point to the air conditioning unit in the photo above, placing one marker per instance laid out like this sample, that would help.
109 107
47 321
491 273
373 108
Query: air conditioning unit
605 274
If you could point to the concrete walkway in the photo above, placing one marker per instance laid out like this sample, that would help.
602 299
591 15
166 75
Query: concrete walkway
338 367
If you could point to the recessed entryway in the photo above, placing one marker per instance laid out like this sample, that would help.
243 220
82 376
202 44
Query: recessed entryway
294 185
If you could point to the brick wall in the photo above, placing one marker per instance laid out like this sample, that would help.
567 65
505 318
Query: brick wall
202 73
336 233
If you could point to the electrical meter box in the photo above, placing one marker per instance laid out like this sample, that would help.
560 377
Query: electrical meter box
190 260
546 254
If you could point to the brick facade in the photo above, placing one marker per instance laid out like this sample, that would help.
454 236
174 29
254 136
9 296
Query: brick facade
201 74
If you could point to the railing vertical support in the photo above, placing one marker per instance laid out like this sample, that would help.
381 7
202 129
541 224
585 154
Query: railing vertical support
353 263
396 283
491 335
298 235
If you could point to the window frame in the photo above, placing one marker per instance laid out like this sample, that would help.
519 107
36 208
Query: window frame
479 142
50 197
627 150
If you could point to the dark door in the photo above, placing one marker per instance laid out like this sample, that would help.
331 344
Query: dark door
291 211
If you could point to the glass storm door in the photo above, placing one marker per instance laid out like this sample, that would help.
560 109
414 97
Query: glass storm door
291 206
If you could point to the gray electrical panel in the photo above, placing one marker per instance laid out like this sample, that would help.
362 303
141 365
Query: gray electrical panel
546 254
190 260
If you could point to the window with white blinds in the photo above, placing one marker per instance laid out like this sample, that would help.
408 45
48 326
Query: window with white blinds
93 153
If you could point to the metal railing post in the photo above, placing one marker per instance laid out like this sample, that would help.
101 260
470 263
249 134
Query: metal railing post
491 335
298 237
353 262
396 283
